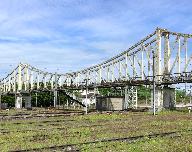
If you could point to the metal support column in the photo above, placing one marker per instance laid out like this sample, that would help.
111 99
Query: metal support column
167 55
31 80
142 70
18 101
126 66
154 106
130 97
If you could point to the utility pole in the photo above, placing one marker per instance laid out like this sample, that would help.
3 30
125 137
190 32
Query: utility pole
0 96
55 91
154 109
190 94
67 103
36 99
86 83
190 107
185 90
58 100
146 98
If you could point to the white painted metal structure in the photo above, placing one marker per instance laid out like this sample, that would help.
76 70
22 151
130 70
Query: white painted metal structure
130 97
133 66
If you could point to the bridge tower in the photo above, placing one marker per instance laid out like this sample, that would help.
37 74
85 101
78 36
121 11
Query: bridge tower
164 96
157 94
169 90
22 95
18 96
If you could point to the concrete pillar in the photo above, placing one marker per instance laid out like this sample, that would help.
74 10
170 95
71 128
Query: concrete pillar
126 98
18 101
158 98
55 98
27 100
164 98
22 98
67 104
169 101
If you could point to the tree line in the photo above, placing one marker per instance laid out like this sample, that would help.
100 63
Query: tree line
46 98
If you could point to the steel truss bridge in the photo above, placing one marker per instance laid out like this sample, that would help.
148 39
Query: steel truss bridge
163 57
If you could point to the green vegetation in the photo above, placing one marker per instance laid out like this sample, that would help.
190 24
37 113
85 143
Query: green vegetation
182 97
45 99
92 132
10 99
143 93
105 91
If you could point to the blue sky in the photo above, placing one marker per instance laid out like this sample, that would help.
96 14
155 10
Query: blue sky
74 34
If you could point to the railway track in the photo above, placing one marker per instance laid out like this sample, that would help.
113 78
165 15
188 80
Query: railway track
75 147
39 115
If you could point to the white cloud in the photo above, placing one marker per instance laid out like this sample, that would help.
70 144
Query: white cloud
76 34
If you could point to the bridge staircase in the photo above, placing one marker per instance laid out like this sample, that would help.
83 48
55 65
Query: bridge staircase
72 98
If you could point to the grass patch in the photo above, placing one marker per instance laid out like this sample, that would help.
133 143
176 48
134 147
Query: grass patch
93 132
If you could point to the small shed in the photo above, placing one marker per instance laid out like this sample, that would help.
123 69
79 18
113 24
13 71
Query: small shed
110 103
4 105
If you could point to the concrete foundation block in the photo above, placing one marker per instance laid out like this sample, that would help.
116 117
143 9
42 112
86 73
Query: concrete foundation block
169 98
110 103
164 98
27 100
